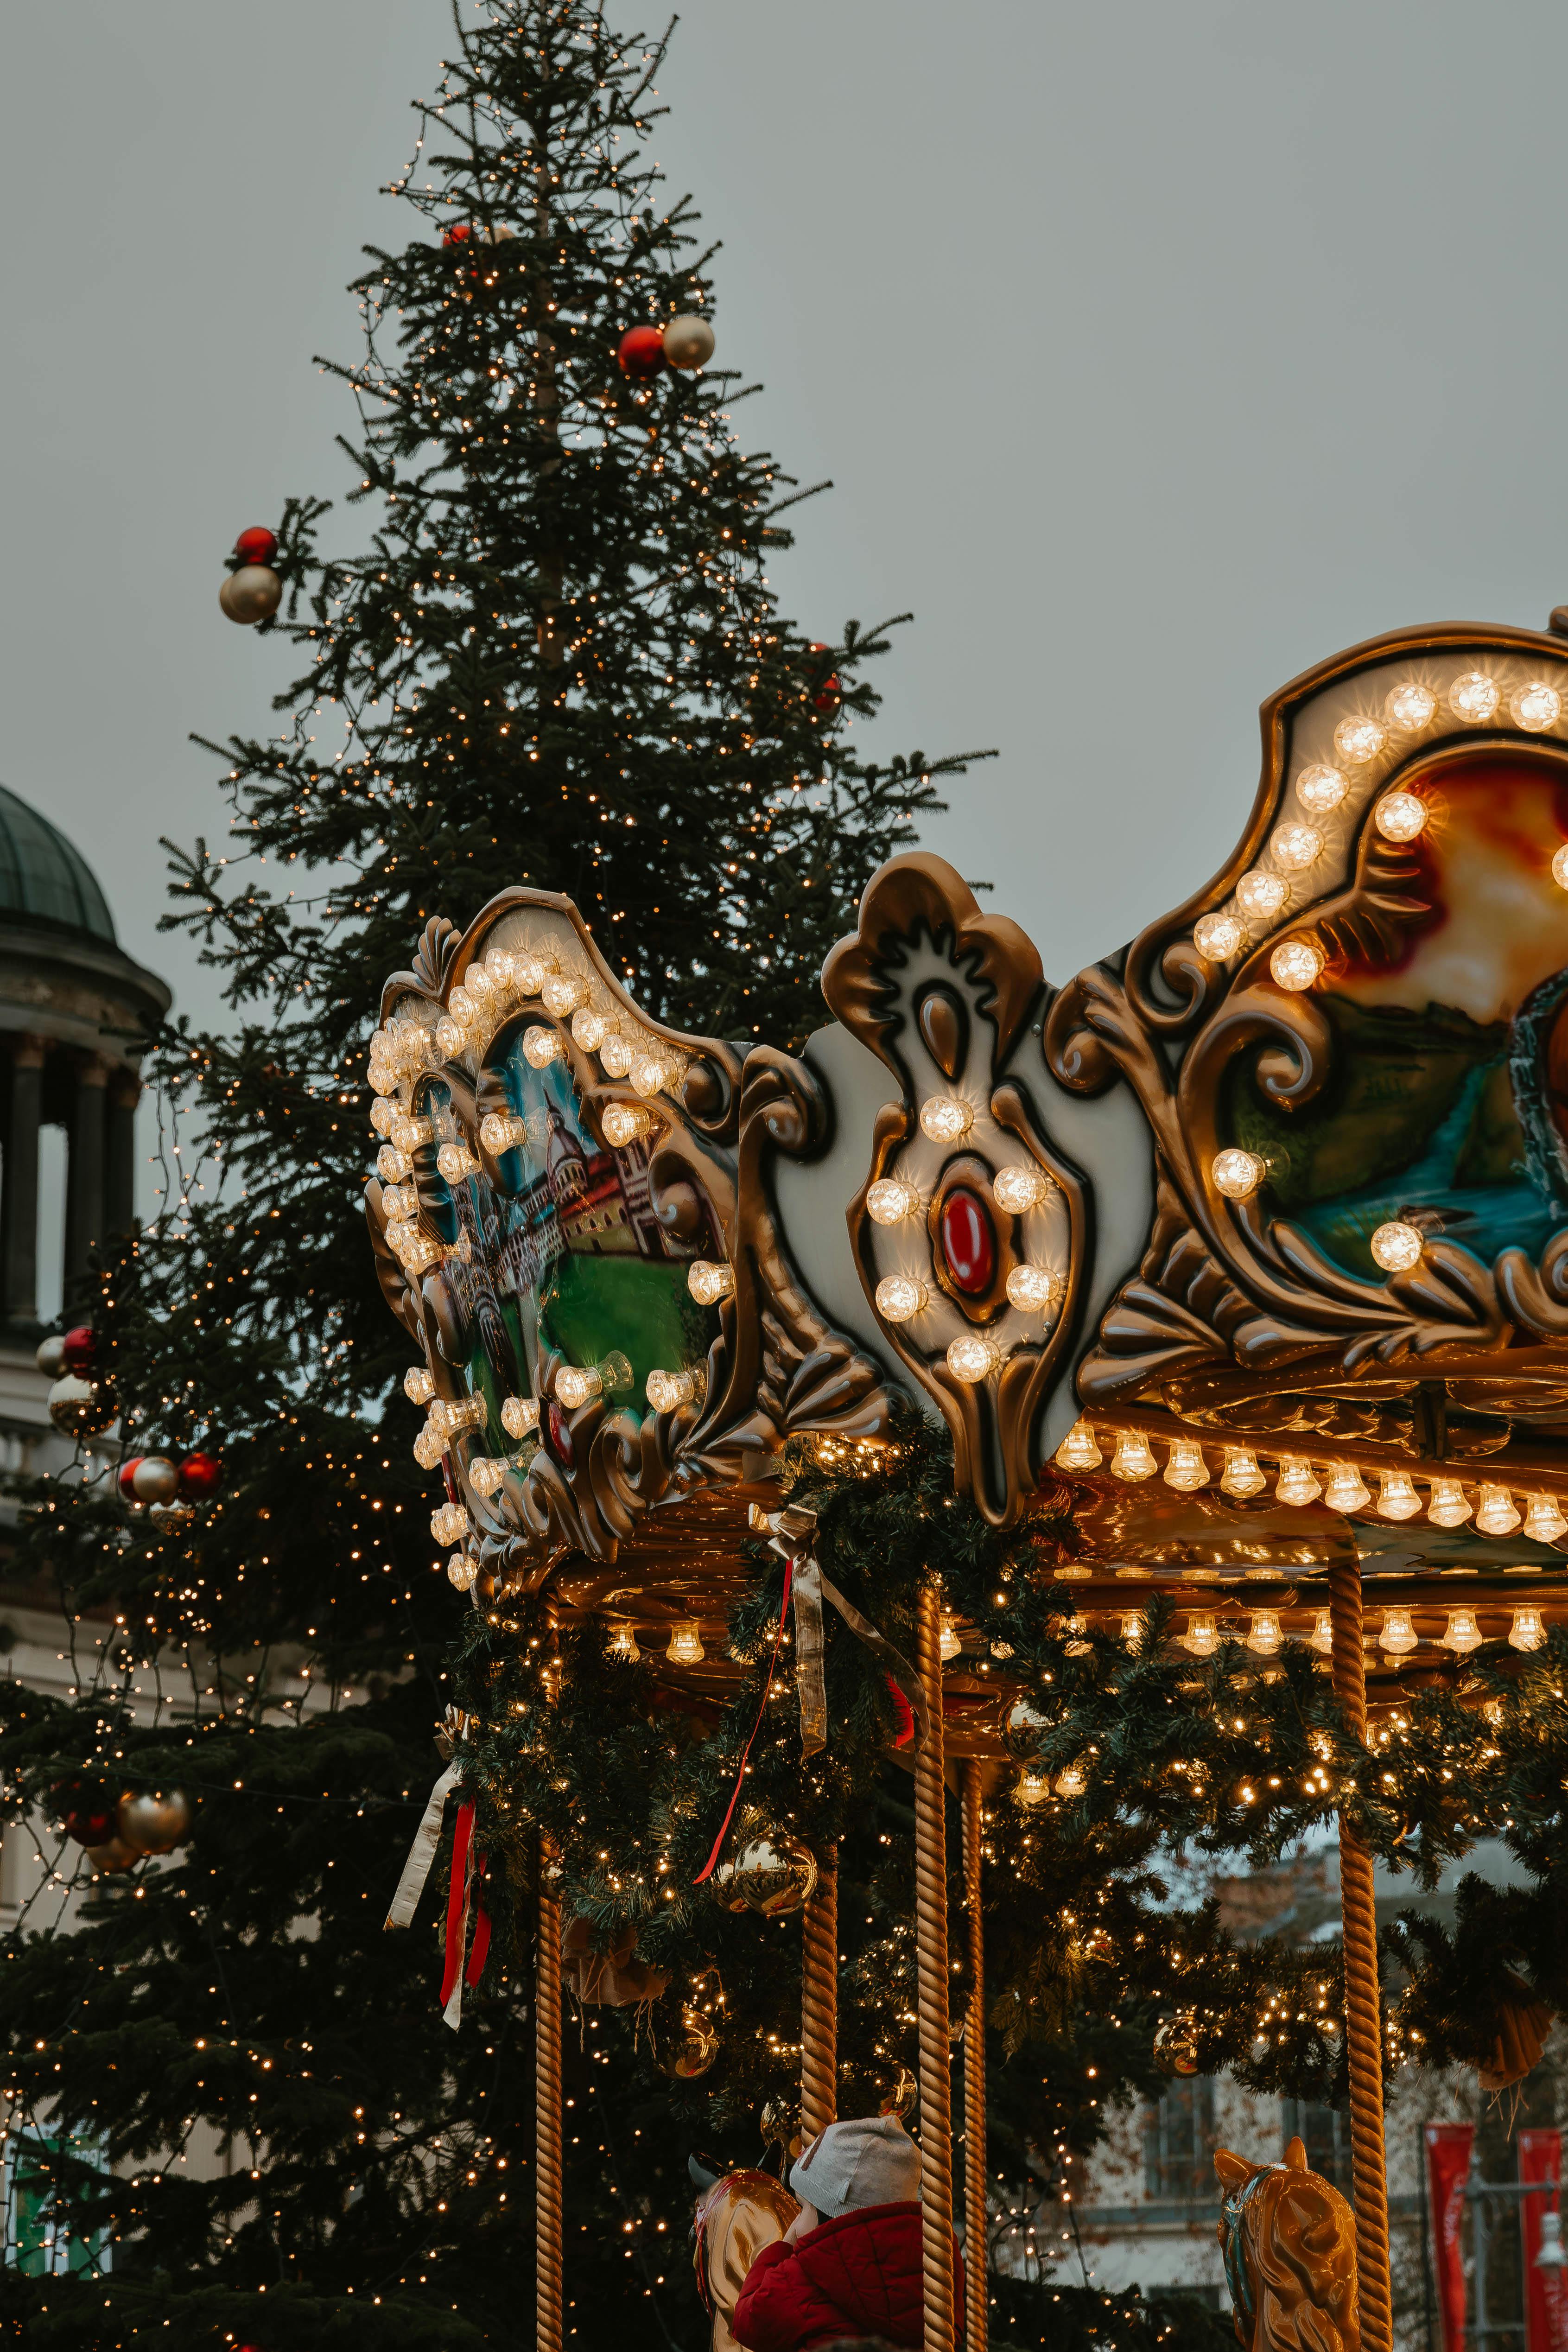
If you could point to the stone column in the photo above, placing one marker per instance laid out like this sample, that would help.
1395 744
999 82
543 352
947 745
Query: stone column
119 1162
84 1182
19 1198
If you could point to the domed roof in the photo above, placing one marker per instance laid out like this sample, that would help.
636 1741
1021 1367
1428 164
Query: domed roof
44 877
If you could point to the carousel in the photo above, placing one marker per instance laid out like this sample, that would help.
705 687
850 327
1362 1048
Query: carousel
1254 1235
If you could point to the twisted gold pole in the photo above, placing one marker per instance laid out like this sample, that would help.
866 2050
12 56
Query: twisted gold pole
820 2001
547 2219
1363 1997
931 1950
977 2230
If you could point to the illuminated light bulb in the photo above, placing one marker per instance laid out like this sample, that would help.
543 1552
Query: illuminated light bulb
708 1282
1032 1786
1202 1637
541 1047
1344 1488
1527 1631
502 1131
1071 1782
1034 1289
1263 1635
1185 1468
528 973
408 1134
1397 1497
1261 896
1018 1188
1296 846
1496 1515
1236 1173
1320 789
622 1124
383 1114
485 1472
947 1643
649 1072
1397 1247
428 1447
1295 964
1078 1450
615 1054
945 1117
972 1358
519 1415
623 1642
665 1391
500 971
1474 697
461 1571
464 1413
575 1383
400 1201
1134 1456
1321 1638
1544 1522
685 1645
1400 817
1410 707
418 1385
900 1296
1217 936
462 1007
450 1039
455 1161
1462 1632
392 1164
1535 708
450 1524
419 1254
1296 1484
562 994
889 1201
1447 1508
589 1029
1241 1475
1398 1636
1132 1632
1559 867
1359 740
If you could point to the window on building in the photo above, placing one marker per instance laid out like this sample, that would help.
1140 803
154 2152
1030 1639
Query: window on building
1179 2143
1325 2134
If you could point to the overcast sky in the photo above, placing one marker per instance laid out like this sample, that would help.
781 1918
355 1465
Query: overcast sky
1155 352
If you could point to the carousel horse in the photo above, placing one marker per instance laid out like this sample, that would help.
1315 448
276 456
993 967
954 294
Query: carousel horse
1289 2240
737 2216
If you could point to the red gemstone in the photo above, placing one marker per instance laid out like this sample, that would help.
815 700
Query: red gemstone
968 1243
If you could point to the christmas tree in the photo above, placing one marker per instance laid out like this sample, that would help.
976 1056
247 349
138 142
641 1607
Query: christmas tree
557 660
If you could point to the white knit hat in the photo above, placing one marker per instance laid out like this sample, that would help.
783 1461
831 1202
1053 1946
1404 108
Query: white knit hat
865 2160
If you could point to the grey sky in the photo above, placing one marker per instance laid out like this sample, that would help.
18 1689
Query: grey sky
1156 352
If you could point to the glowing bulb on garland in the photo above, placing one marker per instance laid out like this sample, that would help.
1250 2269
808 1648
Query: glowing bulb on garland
1357 740
901 1296
1400 817
541 1047
947 1641
1185 1468
502 1131
1078 1450
1344 1488
709 1283
456 1163
1241 1475
1397 1497
1134 1458
1296 846
623 1642
1496 1515
575 1383
685 1643
624 1124
1019 1188
1321 1638
1202 1636
1397 1247
1544 1522
615 1054
1398 1636
1410 707
1474 697
519 1415
1261 896
1218 937
1263 1635
666 1391
1536 706
462 1572
1236 1173
562 994
1462 1633
487 1473
588 1028
1032 1786
1447 1506
1034 1289
392 1165
651 1072
1295 964
972 1358
1527 1631
946 1119
1296 1484
889 1201
418 1385
1321 790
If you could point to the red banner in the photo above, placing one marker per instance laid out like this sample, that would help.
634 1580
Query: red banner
1545 2294
1448 2150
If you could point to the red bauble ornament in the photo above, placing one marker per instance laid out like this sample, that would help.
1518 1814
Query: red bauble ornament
460 232
256 545
827 694
89 1812
77 1349
641 352
125 1476
200 1476
968 1243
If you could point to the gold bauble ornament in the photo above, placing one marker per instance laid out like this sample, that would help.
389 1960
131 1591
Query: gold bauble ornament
772 1874
1175 2047
900 2099
153 1825
250 595
73 1405
695 2047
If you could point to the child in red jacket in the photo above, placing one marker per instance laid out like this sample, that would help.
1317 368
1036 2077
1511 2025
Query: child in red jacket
851 2264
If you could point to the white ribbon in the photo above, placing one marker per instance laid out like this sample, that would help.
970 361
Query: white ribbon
422 1853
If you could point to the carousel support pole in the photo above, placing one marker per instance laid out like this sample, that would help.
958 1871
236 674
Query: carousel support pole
547 2212
1364 2007
820 2001
977 2230
931 1953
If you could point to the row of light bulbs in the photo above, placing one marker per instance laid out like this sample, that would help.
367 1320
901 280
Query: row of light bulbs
1297 845
1342 1485
493 989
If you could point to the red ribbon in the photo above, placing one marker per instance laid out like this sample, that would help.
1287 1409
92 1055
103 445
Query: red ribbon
480 1947
458 1899
707 1869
